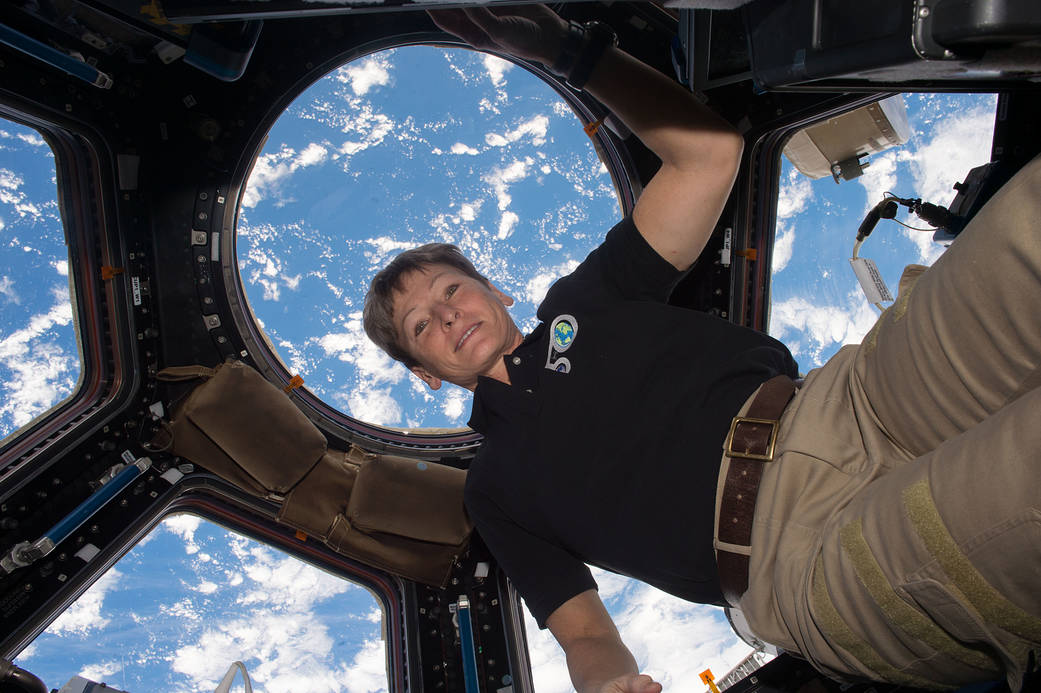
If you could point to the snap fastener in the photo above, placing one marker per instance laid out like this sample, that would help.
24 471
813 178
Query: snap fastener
516 360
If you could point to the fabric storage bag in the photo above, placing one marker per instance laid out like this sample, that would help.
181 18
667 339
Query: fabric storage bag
398 514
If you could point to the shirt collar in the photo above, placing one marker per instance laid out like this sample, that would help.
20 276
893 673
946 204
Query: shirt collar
494 399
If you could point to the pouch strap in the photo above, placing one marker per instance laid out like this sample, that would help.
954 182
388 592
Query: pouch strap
180 373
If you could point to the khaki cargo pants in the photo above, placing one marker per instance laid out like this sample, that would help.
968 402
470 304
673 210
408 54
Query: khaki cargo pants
897 535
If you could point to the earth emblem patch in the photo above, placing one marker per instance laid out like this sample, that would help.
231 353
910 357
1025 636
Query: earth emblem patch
563 334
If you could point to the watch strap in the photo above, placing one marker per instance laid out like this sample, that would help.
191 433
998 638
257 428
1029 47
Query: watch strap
598 38
574 40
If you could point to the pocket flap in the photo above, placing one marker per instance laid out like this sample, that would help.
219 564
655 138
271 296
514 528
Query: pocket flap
410 498
256 425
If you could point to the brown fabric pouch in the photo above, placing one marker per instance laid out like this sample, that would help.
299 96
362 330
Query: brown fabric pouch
409 498
401 515
240 427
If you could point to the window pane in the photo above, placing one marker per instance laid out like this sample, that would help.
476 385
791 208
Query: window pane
193 597
39 358
405 147
672 640
816 302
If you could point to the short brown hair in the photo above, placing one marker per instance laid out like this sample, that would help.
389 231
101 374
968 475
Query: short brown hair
378 315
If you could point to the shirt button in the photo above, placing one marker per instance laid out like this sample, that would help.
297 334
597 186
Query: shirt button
516 360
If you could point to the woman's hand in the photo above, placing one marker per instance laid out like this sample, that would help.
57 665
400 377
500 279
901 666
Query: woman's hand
532 32
632 683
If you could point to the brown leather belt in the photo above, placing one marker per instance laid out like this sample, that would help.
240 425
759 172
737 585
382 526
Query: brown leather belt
749 445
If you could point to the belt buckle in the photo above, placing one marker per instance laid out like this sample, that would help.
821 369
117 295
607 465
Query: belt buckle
728 447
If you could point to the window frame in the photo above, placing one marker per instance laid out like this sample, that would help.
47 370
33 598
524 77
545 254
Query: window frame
85 173
608 146
217 502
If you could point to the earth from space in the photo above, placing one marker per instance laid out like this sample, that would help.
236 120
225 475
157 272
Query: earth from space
390 151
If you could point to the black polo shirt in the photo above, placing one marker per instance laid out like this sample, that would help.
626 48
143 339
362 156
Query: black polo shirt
606 446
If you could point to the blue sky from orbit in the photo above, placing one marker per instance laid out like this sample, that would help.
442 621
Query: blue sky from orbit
390 151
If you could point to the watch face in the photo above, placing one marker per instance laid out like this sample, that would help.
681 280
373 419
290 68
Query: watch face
602 31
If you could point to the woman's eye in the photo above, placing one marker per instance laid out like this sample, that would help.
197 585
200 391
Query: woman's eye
419 326
451 290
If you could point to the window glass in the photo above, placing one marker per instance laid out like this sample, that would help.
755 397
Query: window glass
39 359
193 597
405 147
672 640
817 304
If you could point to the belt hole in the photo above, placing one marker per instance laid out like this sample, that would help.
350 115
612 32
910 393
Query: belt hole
733 520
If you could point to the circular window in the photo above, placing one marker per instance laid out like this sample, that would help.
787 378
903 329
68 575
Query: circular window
408 146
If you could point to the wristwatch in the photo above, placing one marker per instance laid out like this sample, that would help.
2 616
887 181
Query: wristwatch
598 37
583 47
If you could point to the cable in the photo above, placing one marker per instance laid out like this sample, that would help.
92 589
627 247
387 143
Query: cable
914 228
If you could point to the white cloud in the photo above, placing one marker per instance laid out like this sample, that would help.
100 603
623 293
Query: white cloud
880 176
548 667
285 584
206 587
495 140
500 178
454 403
364 75
289 651
382 247
811 330
314 153
794 195
182 610
783 245
9 180
535 128
85 615
538 286
671 639
959 143
61 266
31 138
460 148
373 128
497 68
354 346
270 171
506 225
41 373
375 406
674 640
368 397
368 671
269 271
276 632
7 290
100 671
185 527
486 105
10 194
